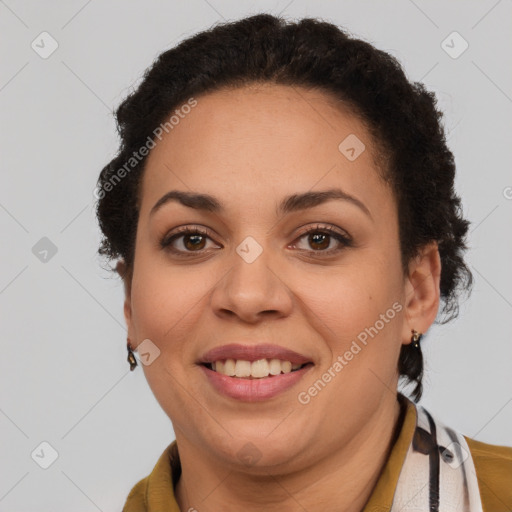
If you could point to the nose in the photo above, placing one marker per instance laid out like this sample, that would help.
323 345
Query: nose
253 289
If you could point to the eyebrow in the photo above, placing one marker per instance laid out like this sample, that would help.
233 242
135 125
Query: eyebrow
292 203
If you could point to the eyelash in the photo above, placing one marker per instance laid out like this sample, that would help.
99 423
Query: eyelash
344 241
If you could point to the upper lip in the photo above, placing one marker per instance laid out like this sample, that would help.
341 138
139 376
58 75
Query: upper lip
252 353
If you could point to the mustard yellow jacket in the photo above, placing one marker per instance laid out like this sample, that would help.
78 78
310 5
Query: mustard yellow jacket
493 466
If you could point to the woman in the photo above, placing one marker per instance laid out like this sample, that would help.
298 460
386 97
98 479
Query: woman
283 213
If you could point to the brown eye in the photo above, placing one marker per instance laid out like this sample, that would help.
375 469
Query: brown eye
193 242
186 240
319 240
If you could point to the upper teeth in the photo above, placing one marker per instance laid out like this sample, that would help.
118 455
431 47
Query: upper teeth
258 369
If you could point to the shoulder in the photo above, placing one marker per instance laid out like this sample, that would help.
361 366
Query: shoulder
136 500
156 489
493 465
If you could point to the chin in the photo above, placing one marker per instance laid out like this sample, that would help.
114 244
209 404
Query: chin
255 451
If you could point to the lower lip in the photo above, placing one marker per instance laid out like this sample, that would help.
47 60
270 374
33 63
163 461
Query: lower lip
254 390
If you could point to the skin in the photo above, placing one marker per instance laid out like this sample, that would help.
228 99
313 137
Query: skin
250 148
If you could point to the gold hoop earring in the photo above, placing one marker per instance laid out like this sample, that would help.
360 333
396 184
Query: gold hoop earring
131 358
415 338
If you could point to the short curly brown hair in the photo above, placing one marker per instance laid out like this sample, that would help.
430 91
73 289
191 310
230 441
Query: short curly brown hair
401 116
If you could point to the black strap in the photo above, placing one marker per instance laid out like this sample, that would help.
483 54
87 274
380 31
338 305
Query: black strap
434 464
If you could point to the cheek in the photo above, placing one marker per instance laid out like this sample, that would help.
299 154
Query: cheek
359 323
358 312
166 304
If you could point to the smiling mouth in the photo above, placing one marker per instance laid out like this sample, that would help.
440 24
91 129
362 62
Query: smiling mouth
259 369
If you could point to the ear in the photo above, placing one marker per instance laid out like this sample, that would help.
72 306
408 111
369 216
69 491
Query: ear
126 276
422 291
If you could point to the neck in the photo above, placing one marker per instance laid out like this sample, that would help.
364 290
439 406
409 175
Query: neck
342 482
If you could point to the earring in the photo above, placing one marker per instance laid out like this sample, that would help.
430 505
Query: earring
131 358
415 339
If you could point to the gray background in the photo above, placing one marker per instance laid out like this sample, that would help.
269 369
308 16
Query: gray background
64 375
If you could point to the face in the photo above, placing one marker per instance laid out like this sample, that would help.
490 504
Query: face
276 272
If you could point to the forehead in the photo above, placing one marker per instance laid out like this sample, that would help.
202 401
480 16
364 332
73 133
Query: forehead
263 141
